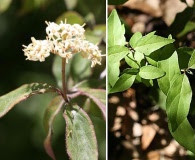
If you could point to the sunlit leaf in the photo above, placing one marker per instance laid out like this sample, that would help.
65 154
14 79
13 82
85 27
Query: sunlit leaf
52 110
130 60
116 31
135 38
138 57
184 135
113 72
191 63
124 82
116 53
153 58
190 26
170 66
150 43
80 136
9 100
151 72
178 101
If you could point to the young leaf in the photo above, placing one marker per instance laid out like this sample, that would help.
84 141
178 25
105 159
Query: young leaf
138 57
134 39
129 59
153 58
9 100
52 110
116 53
80 136
124 82
151 72
171 67
116 31
113 72
191 63
178 101
151 43
184 135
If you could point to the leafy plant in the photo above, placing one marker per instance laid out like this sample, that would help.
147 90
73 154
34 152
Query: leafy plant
154 58
78 95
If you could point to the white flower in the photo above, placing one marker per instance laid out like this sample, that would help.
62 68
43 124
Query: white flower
64 40
38 50
92 52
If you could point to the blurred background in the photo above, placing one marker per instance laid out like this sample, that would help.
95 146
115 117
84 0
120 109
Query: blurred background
21 130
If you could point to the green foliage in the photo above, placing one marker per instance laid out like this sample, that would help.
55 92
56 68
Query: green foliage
9 100
80 138
79 78
149 58
116 32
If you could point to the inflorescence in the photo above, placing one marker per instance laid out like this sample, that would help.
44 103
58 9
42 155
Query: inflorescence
64 40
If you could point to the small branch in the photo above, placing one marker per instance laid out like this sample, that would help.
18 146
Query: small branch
64 79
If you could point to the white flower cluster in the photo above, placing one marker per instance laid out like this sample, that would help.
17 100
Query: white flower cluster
63 40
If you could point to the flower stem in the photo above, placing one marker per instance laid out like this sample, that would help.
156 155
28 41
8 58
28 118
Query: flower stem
64 79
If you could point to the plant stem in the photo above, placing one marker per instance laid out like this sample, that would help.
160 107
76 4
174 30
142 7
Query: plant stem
64 79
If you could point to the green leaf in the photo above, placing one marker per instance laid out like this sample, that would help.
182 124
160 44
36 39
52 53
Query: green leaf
191 63
184 135
124 82
96 34
52 110
181 18
79 72
134 39
116 53
98 96
71 17
9 100
129 59
151 72
80 136
116 2
190 26
100 130
184 55
132 71
116 31
171 67
153 58
113 72
4 5
150 43
178 101
138 57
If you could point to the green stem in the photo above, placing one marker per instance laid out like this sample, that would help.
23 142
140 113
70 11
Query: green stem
64 79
